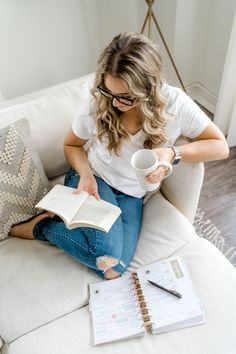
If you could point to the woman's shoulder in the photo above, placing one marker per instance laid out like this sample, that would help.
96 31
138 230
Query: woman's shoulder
84 123
86 108
188 114
175 97
177 100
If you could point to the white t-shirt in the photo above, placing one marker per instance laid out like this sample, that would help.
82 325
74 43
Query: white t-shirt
188 120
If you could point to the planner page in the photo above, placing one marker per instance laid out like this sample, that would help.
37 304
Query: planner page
167 311
114 310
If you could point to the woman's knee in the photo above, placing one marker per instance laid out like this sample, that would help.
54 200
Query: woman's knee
102 244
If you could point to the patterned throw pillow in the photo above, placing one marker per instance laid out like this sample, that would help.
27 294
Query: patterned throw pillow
22 179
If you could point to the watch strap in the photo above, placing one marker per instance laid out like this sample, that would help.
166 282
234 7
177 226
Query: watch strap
177 155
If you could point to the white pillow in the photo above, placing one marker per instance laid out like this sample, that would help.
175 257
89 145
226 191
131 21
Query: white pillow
22 179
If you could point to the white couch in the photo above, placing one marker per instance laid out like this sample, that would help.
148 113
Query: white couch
44 292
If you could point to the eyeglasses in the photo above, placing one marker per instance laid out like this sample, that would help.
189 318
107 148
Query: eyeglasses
121 99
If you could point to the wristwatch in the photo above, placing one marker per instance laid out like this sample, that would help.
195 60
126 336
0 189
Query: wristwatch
177 155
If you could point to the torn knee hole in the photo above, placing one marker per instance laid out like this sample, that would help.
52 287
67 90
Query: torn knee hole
106 262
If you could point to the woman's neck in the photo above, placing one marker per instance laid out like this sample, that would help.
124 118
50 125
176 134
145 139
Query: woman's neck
132 114
131 121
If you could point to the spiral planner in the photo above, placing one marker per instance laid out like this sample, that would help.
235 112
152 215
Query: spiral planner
130 306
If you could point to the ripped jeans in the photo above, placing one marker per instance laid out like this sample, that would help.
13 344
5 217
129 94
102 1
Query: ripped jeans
90 246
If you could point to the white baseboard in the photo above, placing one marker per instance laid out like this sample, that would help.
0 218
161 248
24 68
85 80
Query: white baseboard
202 95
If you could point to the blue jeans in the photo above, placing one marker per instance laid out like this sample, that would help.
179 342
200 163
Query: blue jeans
89 245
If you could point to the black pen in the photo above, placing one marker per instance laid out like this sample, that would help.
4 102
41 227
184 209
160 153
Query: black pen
170 291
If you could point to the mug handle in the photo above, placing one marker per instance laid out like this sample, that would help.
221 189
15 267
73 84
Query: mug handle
168 165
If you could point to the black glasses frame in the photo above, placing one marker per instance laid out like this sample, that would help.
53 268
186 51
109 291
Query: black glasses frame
121 99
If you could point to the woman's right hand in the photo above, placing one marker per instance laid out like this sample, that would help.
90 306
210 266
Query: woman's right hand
88 184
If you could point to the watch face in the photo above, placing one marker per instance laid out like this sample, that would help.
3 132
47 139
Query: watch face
176 160
177 157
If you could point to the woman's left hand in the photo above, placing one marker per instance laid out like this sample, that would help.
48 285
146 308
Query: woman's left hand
164 154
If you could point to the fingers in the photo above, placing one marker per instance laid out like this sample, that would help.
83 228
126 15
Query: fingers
77 191
97 196
156 176
92 192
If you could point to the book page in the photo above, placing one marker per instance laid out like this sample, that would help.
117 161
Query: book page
114 309
62 201
98 213
167 311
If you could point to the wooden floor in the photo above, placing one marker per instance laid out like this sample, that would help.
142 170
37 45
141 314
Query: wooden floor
218 195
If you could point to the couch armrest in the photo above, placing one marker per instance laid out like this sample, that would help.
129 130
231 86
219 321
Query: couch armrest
182 188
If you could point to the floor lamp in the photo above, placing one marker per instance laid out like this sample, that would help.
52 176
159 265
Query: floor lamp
150 16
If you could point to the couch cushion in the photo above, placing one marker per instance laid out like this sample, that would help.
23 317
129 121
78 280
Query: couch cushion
22 179
50 116
164 231
49 284
57 180
215 282
38 283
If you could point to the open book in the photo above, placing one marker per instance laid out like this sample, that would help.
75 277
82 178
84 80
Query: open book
79 210
129 306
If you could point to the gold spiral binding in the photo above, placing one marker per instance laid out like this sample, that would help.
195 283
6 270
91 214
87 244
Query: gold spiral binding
147 325
140 298
144 311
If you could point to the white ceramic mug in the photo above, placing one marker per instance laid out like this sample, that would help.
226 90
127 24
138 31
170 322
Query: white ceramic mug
144 162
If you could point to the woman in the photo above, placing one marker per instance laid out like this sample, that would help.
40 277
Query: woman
134 109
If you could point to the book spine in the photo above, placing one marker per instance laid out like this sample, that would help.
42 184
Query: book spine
143 309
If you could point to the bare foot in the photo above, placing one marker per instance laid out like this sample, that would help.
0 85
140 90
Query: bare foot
111 274
25 229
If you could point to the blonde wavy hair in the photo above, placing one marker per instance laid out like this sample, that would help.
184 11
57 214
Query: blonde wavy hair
136 60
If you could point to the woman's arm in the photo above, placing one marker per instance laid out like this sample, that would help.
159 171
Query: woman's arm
208 146
77 158
75 154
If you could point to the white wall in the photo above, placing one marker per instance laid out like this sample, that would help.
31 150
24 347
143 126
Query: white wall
49 41
197 33
219 25
45 42
117 16
225 116
202 32
190 30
